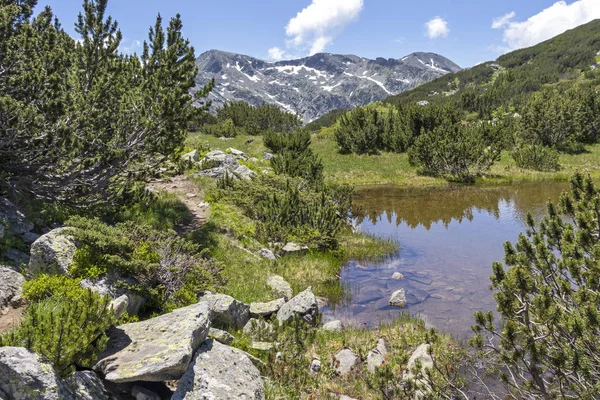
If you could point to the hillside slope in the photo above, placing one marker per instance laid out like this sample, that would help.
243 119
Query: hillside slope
315 85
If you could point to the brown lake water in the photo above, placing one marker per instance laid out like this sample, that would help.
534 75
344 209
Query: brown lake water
449 238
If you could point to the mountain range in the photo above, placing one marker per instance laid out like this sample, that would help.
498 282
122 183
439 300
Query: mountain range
315 85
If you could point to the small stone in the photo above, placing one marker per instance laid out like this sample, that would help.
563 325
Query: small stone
398 298
220 336
119 305
345 360
397 276
266 309
279 356
191 195
268 156
263 346
280 287
293 248
268 254
333 326
191 156
315 365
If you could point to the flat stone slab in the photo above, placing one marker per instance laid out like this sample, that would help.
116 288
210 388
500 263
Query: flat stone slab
266 309
155 350
219 372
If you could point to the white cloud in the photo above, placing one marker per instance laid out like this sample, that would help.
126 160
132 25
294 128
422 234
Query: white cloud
276 54
550 22
503 20
437 27
315 27
130 46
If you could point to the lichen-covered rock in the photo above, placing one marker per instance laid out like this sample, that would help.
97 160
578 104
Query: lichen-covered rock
266 309
226 312
280 287
86 385
398 298
11 286
258 329
219 372
52 253
220 336
345 360
304 305
155 350
237 153
25 376
12 219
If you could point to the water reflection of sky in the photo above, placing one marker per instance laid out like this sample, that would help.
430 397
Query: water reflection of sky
448 240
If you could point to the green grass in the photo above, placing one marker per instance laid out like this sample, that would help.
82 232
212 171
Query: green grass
597 59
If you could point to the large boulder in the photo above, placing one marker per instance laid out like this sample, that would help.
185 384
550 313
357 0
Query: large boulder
25 376
86 385
112 286
226 312
52 253
11 286
304 305
155 350
12 219
219 372
280 287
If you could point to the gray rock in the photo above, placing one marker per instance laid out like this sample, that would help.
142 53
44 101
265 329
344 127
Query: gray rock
86 385
2 230
315 365
17 256
141 393
376 356
268 254
237 153
219 372
263 346
421 354
157 349
30 237
216 157
25 376
268 156
12 219
303 305
192 156
293 248
226 312
220 336
398 298
258 329
280 286
52 253
119 305
266 309
397 276
111 286
11 286
333 326
244 173
345 360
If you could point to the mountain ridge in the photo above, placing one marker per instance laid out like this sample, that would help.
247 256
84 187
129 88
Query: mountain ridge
314 85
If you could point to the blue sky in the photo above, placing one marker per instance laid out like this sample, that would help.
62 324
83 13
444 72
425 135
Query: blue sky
466 31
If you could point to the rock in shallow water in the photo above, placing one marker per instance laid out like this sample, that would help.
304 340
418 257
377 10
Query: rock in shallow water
219 372
155 350
398 298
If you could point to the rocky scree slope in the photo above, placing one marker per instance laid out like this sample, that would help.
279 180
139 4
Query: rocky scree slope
315 85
